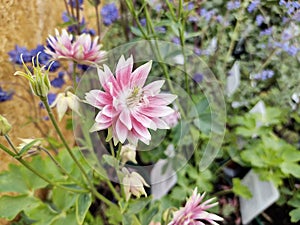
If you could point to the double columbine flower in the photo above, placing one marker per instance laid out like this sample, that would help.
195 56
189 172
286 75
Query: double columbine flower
80 49
127 108
194 212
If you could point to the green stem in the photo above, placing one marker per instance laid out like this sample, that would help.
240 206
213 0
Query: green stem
101 197
25 164
45 101
91 185
74 75
63 170
223 192
10 143
267 61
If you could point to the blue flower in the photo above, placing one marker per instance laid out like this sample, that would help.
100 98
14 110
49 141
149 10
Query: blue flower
109 14
4 96
253 5
266 32
176 40
198 77
207 14
264 75
259 20
160 29
59 81
143 22
232 5
15 55
51 98
44 58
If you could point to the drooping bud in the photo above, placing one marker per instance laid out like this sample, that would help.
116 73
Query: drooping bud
64 101
128 153
133 184
4 126
39 80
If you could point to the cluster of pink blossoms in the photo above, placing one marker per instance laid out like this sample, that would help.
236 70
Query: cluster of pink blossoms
80 48
127 107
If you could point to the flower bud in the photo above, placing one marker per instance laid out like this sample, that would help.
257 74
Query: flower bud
39 80
4 126
133 184
128 153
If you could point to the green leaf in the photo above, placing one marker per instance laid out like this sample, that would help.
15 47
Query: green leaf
63 199
135 206
11 206
295 215
83 204
136 31
114 215
291 168
240 189
110 160
147 217
20 179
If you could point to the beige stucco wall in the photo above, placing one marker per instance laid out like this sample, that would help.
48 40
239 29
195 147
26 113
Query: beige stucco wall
26 23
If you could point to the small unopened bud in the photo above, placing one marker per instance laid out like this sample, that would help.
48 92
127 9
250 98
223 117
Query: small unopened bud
39 80
128 153
4 126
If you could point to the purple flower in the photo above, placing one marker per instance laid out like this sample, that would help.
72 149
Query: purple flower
264 75
143 22
160 29
207 14
259 20
59 81
253 5
232 5
198 77
266 32
190 6
44 58
109 14
176 40
4 96
15 55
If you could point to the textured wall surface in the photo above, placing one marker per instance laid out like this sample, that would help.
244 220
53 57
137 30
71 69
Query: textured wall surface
26 23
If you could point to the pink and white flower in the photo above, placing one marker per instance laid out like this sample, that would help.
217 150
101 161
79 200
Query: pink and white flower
80 48
194 212
127 108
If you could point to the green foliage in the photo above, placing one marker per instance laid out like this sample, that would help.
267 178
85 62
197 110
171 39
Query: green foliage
241 190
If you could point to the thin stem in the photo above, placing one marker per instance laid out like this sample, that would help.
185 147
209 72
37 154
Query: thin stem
101 197
267 61
112 150
98 20
74 75
113 190
45 102
78 16
63 170
24 163
67 8
10 143
223 192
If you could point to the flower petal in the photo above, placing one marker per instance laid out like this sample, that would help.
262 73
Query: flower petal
139 76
